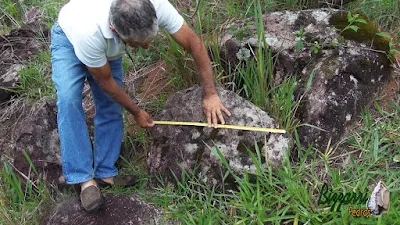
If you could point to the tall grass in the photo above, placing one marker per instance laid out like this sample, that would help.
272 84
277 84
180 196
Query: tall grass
289 194
23 197
35 78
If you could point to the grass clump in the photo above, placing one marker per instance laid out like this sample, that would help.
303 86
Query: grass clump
35 79
15 13
22 198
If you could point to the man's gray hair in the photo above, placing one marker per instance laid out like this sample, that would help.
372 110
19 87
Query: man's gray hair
134 20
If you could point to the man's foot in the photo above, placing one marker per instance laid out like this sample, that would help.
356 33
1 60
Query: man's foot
91 197
120 180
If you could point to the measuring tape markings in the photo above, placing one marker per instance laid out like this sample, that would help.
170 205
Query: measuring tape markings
271 130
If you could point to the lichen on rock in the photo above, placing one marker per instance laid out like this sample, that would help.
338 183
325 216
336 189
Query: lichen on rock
188 147
347 72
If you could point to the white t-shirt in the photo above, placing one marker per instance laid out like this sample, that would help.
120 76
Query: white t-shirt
86 25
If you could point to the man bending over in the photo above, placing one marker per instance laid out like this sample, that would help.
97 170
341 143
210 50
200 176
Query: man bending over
88 42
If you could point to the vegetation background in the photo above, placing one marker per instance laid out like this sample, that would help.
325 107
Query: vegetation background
285 196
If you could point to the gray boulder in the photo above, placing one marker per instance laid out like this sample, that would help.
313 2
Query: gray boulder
33 129
176 147
348 69
117 209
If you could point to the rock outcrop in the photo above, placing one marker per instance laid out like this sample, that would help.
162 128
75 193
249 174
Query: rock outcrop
346 67
33 129
188 147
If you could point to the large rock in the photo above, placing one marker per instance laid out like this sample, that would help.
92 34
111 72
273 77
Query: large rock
347 69
174 147
32 128
117 209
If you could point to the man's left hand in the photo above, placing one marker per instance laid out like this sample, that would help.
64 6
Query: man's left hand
212 108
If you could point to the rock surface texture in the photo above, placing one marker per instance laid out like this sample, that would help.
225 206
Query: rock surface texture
117 209
174 147
33 129
346 71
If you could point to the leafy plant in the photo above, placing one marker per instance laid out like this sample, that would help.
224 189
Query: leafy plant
300 42
353 20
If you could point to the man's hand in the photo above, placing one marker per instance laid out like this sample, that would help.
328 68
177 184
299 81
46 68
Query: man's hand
212 108
212 105
107 83
143 119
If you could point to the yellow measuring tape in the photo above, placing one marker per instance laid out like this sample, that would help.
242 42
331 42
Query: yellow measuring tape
271 130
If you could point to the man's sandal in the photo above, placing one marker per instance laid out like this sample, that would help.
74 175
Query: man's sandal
120 180
91 198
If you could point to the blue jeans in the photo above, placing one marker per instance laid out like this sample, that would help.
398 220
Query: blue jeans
81 162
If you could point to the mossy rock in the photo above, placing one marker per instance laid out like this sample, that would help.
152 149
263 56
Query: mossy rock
367 32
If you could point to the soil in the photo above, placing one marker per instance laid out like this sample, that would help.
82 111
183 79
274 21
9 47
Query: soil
117 209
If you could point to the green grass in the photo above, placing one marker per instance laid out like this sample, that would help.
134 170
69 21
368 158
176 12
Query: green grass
12 12
22 198
287 195
35 78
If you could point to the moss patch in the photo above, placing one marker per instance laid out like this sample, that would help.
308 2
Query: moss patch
365 34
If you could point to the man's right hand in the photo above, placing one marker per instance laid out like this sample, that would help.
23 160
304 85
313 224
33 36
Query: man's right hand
143 119
107 83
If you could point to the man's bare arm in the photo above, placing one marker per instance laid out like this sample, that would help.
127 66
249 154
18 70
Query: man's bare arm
193 44
107 83
212 105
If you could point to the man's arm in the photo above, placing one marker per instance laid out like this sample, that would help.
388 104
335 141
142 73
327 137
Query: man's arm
212 105
107 83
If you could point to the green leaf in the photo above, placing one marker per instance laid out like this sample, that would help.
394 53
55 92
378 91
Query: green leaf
353 27
300 32
360 20
349 17
385 35
309 82
299 45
